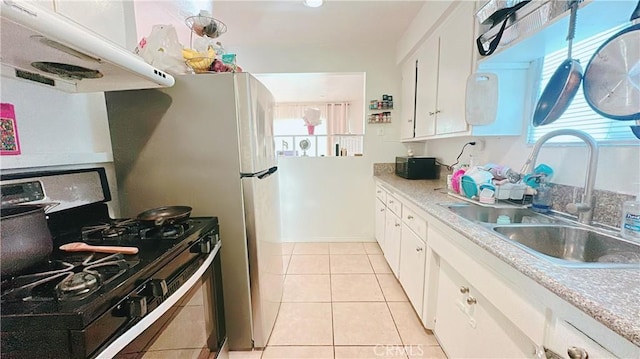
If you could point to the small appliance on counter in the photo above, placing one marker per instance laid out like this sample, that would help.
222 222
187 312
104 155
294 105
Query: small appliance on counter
417 167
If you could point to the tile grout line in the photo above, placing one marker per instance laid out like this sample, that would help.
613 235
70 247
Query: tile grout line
333 328
332 299
281 300
386 302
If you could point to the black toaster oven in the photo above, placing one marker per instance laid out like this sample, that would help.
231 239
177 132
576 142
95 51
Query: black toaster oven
417 167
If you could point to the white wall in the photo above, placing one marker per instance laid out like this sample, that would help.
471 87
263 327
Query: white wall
426 20
618 166
58 130
326 199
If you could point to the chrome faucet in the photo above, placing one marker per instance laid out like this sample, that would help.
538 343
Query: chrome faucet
584 209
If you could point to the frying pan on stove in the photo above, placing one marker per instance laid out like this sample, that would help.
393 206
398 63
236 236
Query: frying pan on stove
612 77
563 85
165 215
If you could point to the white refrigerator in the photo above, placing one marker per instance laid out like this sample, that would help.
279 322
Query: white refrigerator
207 142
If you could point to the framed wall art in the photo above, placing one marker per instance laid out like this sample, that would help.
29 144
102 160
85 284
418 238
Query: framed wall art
10 143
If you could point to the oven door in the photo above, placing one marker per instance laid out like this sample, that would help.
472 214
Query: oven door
189 323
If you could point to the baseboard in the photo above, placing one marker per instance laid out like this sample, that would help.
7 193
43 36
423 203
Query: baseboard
327 239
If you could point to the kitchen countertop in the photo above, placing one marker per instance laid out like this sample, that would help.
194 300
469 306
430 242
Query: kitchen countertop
608 295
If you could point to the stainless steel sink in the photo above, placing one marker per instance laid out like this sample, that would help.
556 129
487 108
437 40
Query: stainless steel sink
490 215
573 246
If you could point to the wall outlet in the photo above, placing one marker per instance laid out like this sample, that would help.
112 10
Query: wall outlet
479 144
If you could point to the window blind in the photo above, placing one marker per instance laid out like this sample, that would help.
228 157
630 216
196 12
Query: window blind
579 115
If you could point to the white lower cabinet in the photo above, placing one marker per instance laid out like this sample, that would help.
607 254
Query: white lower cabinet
479 313
563 336
469 326
412 262
380 222
381 210
477 305
392 233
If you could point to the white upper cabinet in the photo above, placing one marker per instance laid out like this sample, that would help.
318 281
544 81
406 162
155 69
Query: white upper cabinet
444 63
427 89
446 59
456 46
106 18
114 20
408 93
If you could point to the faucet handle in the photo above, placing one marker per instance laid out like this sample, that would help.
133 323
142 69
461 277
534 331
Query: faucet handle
575 208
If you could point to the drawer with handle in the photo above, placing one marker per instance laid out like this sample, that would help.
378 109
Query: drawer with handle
415 222
381 194
394 204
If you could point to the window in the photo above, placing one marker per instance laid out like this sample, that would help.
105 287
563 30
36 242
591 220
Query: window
579 115
317 114
328 127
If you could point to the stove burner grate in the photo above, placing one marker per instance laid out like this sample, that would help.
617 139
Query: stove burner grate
173 231
130 230
70 281
110 231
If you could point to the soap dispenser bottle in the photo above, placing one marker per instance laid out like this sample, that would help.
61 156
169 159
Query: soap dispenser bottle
630 226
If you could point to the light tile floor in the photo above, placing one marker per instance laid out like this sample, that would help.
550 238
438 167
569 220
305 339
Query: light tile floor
341 301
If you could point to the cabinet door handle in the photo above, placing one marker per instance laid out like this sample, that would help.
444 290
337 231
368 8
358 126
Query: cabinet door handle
409 217
409 120
419 249
378 191
397 224
431 113
471 301
390 201
381 209
438 111
464 290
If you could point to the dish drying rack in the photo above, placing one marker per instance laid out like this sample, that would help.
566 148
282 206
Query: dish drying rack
499 203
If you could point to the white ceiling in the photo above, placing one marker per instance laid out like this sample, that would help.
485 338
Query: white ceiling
288 24
341 23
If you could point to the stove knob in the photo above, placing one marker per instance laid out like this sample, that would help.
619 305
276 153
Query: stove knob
158 287
205 245
136 306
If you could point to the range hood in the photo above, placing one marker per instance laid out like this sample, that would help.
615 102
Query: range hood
43 47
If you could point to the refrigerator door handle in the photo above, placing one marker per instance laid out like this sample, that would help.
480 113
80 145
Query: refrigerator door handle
270 171
261 174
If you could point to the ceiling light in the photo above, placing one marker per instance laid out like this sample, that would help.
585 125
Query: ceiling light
313 3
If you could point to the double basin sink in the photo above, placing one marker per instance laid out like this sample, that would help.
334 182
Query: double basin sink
554 239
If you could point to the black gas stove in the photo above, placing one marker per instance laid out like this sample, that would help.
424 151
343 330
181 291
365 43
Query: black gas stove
75 304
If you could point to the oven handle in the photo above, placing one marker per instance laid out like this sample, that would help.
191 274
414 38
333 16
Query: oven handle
117 345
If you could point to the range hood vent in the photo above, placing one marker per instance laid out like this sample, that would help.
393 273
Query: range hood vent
43 47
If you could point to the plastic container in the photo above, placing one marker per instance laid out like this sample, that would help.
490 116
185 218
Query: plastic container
630 226
503 191
517 191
